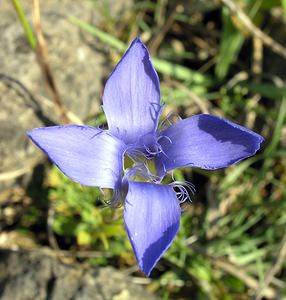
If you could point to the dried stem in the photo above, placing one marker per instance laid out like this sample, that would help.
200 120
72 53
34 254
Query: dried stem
257 64
254 30
43 58
51 237
10 175
64 253
157 40
257 68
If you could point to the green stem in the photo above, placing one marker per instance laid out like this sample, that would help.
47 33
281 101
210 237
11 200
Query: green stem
27 28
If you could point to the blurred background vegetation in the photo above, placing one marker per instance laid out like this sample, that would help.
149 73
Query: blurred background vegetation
221 57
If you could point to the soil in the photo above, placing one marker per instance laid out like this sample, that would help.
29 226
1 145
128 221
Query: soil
30 275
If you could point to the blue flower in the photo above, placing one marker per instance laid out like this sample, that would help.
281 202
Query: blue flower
95 157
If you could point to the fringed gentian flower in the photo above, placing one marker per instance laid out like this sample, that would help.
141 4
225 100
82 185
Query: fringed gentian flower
95 157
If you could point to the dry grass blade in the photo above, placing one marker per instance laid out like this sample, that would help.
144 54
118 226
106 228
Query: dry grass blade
157 40
9 175
255 31
42 53
64 253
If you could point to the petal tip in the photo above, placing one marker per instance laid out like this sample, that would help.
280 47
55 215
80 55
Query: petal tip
138 40
147 272
261 139
31 133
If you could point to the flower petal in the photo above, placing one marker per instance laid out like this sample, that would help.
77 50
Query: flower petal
206 142
152 219
131 98
86 154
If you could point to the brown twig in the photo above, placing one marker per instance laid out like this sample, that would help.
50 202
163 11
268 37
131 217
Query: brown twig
257 63
43 58
46 102
9 175
51 237
158 38
160 12
64 253
254 30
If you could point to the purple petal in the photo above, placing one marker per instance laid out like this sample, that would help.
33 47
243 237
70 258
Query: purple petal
131 98
152 219
206 142
86 154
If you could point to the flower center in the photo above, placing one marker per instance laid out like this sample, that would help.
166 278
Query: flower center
139 166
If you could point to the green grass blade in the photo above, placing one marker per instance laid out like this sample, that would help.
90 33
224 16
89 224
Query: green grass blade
163 66
230 45
232 39
284 7
231 178
278 128
180 72
267 90
26 26
101 35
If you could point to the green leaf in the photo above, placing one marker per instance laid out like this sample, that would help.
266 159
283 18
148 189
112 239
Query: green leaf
230 45
64 226
84 238
284 7
267 90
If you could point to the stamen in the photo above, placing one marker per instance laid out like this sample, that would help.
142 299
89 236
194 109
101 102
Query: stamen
141 172
150 176
142 156
184 190
135 155
158 146
157 150
166 137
